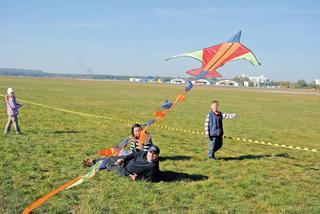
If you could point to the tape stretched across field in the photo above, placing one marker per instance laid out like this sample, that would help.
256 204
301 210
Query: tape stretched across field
170 128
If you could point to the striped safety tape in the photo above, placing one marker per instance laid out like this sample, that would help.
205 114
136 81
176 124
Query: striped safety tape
271 144
170 128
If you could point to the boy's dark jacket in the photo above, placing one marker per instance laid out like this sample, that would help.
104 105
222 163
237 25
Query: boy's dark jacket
215 124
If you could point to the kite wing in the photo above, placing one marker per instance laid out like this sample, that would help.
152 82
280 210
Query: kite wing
246 54
196 55
216 56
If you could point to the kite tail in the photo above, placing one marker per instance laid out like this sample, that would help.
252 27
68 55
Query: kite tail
67 185
49 195
112 151
167 106
92 172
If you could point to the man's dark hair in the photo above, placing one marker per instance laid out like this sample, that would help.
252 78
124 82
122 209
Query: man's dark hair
154 149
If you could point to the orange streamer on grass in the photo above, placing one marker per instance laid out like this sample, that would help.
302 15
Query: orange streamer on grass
49 195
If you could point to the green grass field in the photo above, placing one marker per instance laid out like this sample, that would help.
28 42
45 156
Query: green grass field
246 178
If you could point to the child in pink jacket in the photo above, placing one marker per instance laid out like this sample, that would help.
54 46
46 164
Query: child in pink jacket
12 111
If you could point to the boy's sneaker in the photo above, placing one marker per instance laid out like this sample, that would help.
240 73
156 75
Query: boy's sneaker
212 157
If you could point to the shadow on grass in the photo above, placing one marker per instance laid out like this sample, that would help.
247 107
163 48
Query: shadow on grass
67 132
179 157
246 157
170 176
281 155
297 165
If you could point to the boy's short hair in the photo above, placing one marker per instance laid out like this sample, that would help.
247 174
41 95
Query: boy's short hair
215 101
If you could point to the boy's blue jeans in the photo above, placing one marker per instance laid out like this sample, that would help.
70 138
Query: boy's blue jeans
215 144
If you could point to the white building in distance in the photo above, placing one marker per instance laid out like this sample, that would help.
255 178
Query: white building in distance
132 79
317 81
259 81
227 83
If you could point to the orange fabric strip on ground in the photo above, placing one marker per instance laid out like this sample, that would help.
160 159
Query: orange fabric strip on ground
49 195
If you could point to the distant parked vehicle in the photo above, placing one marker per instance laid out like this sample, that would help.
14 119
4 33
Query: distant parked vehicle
202 82
177 81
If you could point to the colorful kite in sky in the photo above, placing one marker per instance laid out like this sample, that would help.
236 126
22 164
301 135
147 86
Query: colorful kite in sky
216 56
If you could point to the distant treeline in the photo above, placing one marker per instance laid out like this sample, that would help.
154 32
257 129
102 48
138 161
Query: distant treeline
283 84
39 73
297 84
22 72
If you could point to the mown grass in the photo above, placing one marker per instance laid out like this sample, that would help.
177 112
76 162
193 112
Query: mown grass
247 178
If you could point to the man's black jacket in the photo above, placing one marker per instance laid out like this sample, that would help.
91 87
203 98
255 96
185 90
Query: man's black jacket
137 162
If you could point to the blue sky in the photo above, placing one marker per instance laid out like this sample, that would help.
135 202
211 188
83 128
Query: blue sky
133 37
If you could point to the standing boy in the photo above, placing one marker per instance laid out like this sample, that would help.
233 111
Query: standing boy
214 128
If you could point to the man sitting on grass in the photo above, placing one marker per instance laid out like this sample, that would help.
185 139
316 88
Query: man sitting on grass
138 165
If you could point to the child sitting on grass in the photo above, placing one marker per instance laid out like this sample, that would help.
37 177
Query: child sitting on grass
134 140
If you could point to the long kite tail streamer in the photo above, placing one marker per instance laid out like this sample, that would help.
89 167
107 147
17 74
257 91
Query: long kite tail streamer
67 185
166 107
49 195
92 172
112 151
